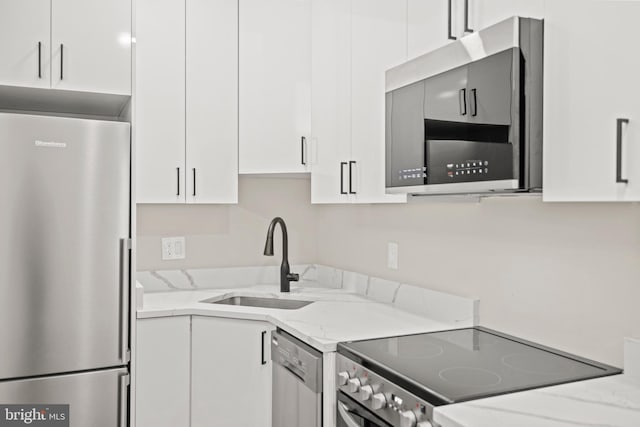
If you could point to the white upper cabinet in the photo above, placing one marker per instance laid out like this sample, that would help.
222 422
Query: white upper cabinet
591 87
331 101
187 101
428 26
379 42
160 101
275 85
91 45
24 51
484 13
212 101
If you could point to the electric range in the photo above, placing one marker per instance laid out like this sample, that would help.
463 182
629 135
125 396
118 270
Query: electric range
398 381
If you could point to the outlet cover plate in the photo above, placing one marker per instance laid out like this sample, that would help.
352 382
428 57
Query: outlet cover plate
173 248
392 255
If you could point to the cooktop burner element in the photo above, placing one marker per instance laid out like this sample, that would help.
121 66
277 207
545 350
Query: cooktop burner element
465 364
470 377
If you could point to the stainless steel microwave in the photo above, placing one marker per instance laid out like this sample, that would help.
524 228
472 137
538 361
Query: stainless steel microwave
467 118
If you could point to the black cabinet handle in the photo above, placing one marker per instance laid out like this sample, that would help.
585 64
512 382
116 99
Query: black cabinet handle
463 102
39 60
342 165
351 163
178 181
474 102
466 17
619 178
303 154
61 61
262 359
449 24
194 181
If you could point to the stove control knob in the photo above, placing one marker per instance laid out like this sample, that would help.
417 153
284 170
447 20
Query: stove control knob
424 424
408 419
378 401
366 391
343 377
354 385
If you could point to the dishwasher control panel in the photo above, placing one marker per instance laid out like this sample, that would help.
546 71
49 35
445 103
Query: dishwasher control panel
302 360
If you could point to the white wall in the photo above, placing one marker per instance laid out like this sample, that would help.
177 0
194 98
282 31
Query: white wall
231 235
565 275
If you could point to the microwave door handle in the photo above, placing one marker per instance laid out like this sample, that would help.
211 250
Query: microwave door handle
619 178
463 102
473 104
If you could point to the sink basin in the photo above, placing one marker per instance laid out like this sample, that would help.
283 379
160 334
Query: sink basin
282 304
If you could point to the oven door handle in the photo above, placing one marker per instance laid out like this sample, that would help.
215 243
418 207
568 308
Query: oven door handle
344 414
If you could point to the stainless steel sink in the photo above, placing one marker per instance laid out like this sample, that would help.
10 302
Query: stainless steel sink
282 304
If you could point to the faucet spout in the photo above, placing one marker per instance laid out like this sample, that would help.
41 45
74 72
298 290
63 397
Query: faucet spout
285 274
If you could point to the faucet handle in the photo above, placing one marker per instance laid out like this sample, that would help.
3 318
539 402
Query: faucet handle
293 277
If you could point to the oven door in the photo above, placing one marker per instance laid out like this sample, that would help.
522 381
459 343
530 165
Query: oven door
351 414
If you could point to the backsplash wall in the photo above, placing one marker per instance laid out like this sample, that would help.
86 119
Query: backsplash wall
231 235
565 275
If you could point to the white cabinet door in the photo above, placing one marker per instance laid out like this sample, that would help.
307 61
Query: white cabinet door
590 81
379 37
331 101
275 85
160 101
25 47
483 13
163 361
212 101
428 25
230 373
91 45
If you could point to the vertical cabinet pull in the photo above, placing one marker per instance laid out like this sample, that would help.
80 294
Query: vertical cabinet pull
342 165
473 104
262 359
61 61
178 181
620 123
466 17
463 102
303 151
351 163
39 60
194 181
450 35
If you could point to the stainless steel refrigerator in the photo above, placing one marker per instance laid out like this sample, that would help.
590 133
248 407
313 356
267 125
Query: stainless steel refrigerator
64 265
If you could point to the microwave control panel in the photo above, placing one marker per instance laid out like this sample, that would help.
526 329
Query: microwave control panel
468 161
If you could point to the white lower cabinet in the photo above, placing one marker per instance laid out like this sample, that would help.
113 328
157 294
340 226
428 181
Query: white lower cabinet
163 363
230 373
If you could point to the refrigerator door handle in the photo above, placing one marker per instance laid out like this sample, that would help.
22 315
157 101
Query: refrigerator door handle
125 257
123 397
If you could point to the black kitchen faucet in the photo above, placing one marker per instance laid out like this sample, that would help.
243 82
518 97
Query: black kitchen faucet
285 274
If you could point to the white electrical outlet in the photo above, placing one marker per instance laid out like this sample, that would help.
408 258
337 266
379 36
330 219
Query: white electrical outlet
392 255
173 248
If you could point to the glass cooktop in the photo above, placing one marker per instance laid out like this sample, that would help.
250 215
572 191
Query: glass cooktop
465 364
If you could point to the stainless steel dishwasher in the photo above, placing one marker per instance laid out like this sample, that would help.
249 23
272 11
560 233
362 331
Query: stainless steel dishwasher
297 382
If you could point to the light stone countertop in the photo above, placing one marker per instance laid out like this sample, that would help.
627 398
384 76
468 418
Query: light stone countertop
604 402
336 315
